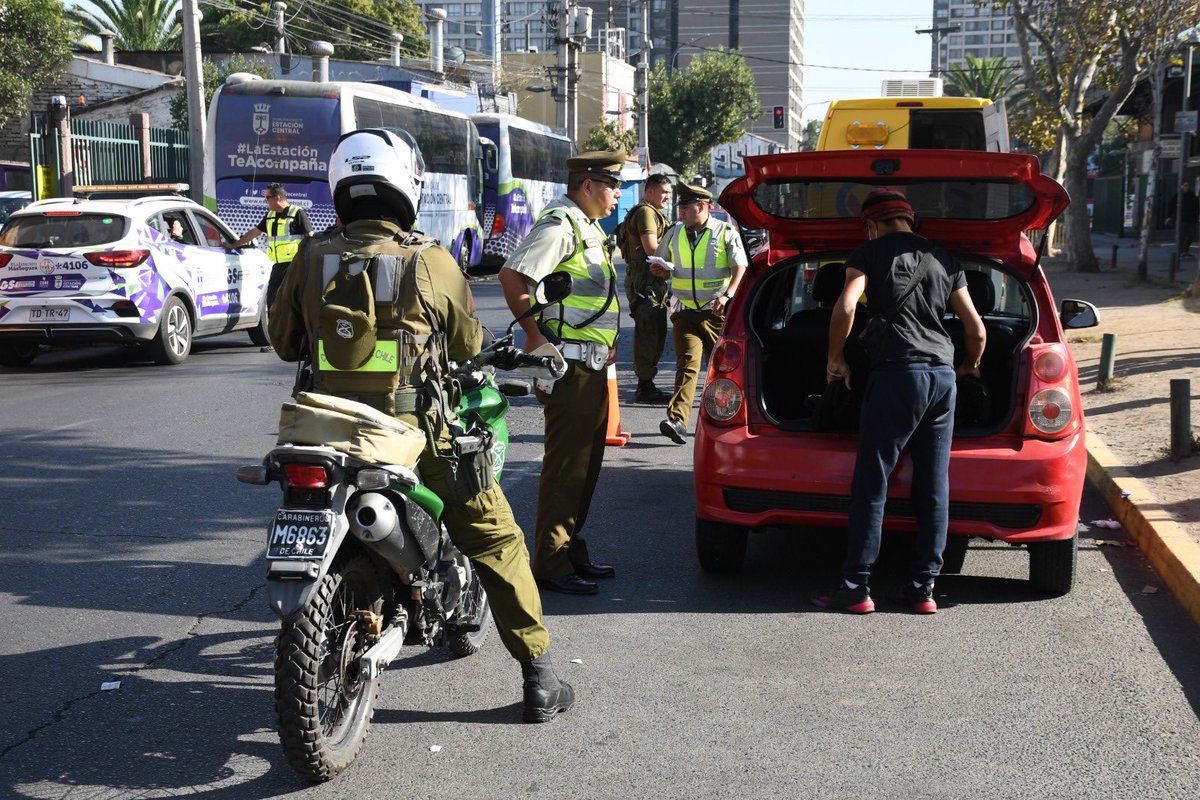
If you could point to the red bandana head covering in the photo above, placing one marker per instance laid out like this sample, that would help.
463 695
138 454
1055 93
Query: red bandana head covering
885 204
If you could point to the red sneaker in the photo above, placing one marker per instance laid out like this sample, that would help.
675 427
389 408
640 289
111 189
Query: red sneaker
852 601
919 598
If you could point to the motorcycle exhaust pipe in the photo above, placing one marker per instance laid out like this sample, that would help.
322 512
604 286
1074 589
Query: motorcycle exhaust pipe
377 523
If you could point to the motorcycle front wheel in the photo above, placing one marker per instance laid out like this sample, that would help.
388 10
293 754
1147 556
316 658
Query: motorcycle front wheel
323 702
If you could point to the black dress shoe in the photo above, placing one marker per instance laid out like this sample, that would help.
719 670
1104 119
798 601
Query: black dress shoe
568 584
592 570
545 694
673 429
647 392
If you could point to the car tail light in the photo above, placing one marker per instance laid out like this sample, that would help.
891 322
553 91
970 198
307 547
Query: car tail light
117 259
722 399
304 476
1049 366
5 258
498 225
1052 408
727 356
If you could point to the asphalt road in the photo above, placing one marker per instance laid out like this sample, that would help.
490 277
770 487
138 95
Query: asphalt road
129 553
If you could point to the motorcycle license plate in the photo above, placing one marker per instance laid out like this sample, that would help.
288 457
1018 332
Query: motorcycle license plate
300 534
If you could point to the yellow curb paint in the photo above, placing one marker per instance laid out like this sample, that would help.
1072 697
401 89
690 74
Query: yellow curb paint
1165 542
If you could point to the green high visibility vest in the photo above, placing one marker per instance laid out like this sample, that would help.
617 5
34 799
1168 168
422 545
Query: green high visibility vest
590 313
281 243
702 273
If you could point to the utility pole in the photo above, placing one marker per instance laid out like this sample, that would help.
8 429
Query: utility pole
58 146
1185 148
285 59
563 39
936 32
642 86
193 73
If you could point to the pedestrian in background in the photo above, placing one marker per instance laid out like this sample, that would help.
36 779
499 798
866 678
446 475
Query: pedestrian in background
646 288
708 262
286 226
567 239
1189 216
909 401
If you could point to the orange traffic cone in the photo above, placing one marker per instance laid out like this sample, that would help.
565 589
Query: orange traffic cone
615 436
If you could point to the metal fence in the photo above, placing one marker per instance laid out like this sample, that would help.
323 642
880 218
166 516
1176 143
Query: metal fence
106 153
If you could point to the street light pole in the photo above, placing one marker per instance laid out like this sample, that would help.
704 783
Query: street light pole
675 54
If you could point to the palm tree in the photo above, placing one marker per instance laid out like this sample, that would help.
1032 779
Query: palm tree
138 24
993 78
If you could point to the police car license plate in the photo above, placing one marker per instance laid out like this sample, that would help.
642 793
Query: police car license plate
50 314
300 534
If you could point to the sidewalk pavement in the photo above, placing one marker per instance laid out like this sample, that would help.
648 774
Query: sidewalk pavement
1158 338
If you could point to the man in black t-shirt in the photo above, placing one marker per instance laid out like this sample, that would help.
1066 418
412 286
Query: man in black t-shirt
1189 214
910 394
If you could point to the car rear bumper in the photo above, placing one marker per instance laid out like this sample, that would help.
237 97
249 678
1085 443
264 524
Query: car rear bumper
751 479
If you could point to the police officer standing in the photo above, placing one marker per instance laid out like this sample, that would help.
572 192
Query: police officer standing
709 261
286 226
647 290
567 239
424 316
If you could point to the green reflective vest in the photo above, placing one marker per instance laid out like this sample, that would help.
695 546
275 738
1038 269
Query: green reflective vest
590 313
281 243
702 273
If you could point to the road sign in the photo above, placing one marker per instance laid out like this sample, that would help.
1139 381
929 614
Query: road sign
1185 121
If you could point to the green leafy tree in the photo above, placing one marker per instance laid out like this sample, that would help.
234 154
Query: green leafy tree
37 36
993 78
138 24
1071 52
359 30
695 109
810 134
605 136
214 76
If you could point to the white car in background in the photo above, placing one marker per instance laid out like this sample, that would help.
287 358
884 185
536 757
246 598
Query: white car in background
152 271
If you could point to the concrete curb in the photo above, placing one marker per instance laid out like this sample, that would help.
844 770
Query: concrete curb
1168 546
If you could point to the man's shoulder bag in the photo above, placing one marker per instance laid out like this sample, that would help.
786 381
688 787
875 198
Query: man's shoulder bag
870 339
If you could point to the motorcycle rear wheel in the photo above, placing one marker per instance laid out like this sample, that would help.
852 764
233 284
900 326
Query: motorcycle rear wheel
322 701
478 610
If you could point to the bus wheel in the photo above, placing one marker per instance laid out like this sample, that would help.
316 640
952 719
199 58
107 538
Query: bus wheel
464 254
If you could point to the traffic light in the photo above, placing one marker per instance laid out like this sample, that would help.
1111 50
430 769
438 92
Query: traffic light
777 118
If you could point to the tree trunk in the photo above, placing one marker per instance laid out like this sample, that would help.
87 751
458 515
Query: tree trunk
1156 86
1055 168
1079 233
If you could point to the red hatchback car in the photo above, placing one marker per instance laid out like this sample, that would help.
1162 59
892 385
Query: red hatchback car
1018 459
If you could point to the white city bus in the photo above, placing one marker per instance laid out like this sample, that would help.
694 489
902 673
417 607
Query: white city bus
267 131
530 170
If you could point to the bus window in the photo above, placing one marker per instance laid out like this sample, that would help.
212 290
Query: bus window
946 129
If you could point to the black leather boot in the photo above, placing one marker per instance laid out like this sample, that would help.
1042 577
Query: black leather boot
545 694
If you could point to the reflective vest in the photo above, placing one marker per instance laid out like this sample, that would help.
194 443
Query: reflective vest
590 313
281 243
699 279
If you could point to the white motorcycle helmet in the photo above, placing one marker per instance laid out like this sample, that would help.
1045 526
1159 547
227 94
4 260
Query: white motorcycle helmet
377 173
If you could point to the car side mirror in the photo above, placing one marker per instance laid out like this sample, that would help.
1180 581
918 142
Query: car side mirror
1078 314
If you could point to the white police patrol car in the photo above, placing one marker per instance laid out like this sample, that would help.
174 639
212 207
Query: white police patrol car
155 271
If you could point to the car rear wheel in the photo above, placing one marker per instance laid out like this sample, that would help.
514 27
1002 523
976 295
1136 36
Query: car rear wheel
720 547
17 355
258 334
955 554
1052 565
173 341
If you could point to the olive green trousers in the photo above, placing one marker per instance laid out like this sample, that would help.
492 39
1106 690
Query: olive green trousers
576 422
649 337
694 334
486 532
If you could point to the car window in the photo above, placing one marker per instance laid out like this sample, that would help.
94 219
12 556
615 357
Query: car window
179 227
63 229
210 233
930 198
1008 297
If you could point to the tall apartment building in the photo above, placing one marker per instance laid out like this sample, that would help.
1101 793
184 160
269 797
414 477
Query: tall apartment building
983 32
769 33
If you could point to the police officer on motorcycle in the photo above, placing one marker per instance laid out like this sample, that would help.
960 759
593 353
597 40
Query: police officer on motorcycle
375 176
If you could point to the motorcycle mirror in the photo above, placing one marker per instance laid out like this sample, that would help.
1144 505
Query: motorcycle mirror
551 289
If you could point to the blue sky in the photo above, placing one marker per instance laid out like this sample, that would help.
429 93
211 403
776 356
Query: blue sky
870 34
